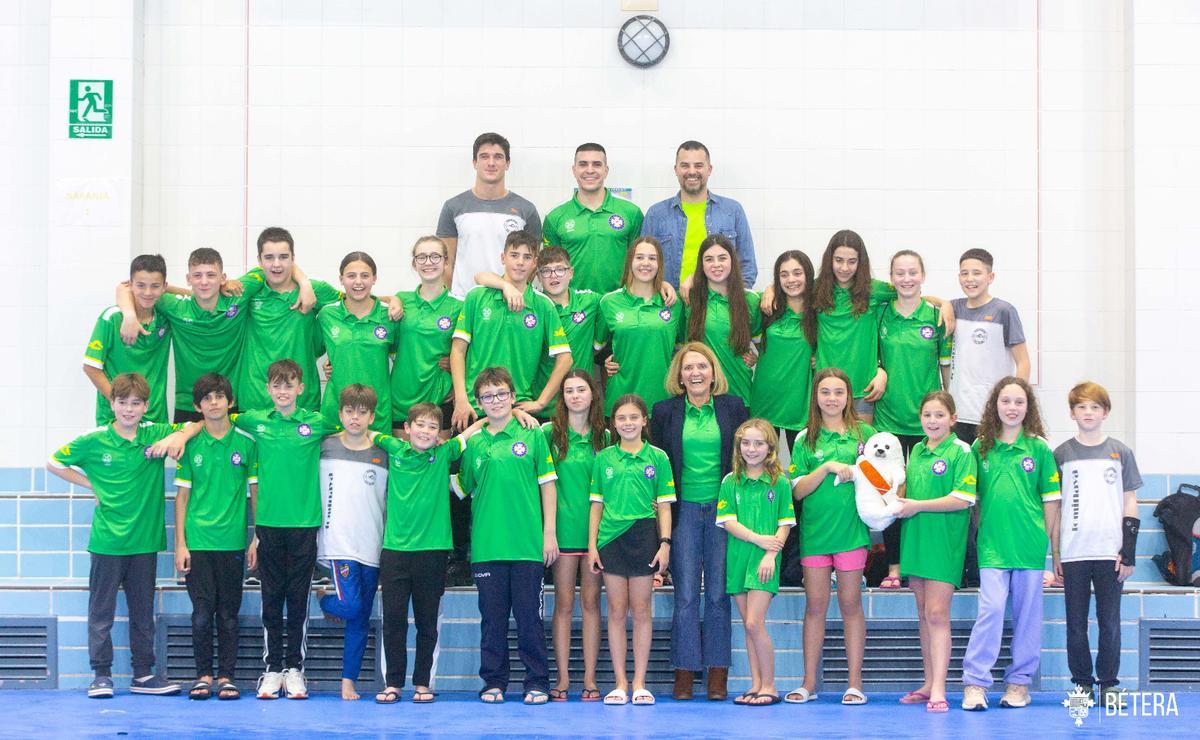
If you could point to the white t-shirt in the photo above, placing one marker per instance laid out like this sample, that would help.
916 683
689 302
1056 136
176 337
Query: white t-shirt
1094 481
481 226
353 500
982 337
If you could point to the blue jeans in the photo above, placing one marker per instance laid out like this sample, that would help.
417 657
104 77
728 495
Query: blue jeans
699 546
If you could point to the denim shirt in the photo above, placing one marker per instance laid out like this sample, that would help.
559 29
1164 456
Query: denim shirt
666 222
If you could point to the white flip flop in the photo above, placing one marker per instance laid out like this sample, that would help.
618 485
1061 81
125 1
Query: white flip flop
642 697
854 697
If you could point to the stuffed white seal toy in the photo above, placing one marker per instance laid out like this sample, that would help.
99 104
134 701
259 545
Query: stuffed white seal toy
878 475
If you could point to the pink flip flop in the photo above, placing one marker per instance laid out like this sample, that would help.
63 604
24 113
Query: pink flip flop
914 697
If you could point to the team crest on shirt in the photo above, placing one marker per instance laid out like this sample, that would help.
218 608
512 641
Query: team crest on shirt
939 467
569 224
1110 475
511 225
578 317
344 570
649 472
381 332
369 477
1027 464
616 222
432 458
443 323
927 332
530 320
334 331
197 459
519 449
231 311
608 473
106 458
979 336
771 495
304 430
162 332
665 314
235 458
861 447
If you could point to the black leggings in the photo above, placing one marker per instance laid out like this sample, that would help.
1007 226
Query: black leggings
419 576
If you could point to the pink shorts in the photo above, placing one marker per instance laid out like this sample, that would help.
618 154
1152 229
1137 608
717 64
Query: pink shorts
849 560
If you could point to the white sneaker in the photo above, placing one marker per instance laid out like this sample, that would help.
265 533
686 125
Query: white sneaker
294 683
269 685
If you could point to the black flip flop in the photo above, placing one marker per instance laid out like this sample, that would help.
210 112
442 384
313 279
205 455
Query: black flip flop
229 688
391 696
744 697
200 691
774 699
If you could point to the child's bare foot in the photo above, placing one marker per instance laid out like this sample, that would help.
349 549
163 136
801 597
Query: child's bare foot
349 691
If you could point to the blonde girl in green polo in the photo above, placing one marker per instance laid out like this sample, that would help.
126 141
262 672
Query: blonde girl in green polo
722 314
832 536
755 508
940 488
424 335
575 435
629 538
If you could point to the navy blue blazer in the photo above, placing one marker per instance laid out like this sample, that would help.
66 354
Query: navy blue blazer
666 430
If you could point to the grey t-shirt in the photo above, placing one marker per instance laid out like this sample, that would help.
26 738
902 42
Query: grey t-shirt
1094 481
480 226
982 338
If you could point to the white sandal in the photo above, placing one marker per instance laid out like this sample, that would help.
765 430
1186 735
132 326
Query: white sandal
642 697
616 698
854 697
804 695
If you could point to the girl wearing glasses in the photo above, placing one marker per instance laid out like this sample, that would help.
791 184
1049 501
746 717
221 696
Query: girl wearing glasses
425 333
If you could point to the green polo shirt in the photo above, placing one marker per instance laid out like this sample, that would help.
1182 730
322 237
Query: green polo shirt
424 336
578 320
701 473
515 340
694 234
130 510
502 473
1014 481
628 485
289 457
573 486
934 543
762 506
359 350
829 520
596 240
277 332
148 356
418 506
643 333
216 473
782 381
849 341
207 341
716 336
911 348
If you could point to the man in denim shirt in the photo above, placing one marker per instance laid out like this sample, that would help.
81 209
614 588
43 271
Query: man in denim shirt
682 221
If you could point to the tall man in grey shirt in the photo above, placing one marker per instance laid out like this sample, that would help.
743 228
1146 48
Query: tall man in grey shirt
474 223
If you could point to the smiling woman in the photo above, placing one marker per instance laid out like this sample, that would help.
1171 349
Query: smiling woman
702 412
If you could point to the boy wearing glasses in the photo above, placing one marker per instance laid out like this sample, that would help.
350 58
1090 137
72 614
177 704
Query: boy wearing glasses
509 475
489 334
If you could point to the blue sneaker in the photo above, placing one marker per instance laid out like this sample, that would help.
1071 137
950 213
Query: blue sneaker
156 685
101 688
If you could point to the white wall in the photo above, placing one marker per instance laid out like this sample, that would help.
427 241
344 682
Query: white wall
922 125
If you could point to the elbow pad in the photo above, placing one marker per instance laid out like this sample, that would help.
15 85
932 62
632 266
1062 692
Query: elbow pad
1129 533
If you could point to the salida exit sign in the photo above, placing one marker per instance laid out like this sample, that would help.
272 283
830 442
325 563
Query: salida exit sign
90 113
